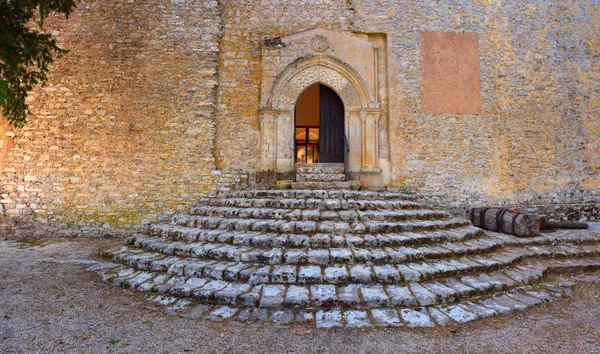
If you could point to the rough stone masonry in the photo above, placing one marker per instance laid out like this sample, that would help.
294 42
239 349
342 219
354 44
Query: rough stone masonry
160 101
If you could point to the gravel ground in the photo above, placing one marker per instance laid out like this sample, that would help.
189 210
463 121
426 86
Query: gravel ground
48 303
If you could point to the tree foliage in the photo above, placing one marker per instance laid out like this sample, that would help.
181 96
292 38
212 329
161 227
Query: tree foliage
26 52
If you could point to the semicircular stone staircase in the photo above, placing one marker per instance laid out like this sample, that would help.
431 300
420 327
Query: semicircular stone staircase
337 258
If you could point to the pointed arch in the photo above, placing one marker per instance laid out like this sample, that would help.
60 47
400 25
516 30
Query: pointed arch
329 71
361 113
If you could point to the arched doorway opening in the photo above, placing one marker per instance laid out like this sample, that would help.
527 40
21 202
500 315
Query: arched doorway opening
319 126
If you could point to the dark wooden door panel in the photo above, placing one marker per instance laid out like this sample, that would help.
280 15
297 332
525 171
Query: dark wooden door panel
331 140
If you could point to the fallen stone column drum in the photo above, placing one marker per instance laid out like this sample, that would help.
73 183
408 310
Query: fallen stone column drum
506 221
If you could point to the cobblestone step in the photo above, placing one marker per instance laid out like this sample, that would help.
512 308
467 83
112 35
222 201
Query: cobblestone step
440 315
558 251
335 168
354 296
251 271
318 215
312 185
306 255
311 227
274 240
340 258
547 238
320 177
311 194
324 204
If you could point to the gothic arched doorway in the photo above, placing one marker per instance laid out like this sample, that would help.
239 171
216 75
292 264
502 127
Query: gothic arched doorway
319 126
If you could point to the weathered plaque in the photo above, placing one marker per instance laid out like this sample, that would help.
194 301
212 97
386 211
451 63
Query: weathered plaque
450 74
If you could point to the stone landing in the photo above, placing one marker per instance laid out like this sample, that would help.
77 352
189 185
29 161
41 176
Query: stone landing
320 176
335 258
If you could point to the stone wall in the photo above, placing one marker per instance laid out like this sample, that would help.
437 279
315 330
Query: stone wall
124 130
246 23
159 101
535 141
537 138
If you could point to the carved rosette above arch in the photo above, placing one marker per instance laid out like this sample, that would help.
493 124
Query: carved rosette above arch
348 65
320 43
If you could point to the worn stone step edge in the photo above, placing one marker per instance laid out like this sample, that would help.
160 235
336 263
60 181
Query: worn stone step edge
304 255
357 296
310 204
323 170
311 227
273 240
314 214
317 194
312 170
345 256
441 315
580 238
320 177
318 164
313 185
333 274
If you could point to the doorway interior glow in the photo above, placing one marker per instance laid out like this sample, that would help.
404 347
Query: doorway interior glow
319 126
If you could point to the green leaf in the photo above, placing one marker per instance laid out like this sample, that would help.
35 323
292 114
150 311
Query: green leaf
25 52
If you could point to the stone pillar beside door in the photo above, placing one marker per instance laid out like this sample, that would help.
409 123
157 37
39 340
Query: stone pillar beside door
285 141
268 143
369 122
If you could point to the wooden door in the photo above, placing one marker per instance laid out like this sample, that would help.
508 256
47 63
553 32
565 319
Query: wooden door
331 139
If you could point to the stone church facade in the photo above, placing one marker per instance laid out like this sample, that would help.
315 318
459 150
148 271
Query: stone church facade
463 103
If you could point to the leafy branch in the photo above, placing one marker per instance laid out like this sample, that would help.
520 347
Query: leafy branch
26 52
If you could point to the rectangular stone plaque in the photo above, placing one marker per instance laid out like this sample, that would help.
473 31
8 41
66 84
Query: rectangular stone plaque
450 74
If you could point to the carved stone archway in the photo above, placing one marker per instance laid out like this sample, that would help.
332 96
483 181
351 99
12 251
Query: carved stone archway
361 116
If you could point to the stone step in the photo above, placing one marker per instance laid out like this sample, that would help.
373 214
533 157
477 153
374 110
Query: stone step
273 240
337 168
554 238
446 314
321 185
318 215
558 251
386 273
311 194
311 227
376 258
323 204
320 177
348 295
316 256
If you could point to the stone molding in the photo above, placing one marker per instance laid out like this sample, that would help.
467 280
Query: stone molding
362 109
340 77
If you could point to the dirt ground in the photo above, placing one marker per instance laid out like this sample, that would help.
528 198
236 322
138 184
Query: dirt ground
49 303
